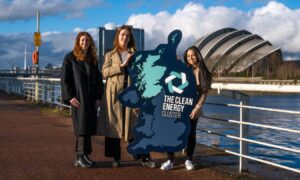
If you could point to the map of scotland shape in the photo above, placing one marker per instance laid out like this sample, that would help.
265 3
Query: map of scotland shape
164 90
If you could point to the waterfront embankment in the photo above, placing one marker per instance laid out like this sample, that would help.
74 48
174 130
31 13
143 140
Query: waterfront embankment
40 145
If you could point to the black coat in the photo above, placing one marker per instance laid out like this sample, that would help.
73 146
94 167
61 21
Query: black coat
82 80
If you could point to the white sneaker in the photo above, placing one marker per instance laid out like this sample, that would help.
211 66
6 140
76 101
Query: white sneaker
167 165
189 165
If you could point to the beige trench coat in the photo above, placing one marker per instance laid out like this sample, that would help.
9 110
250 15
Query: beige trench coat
111 119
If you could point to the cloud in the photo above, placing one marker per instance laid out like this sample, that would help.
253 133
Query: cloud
274 22
77 29
278 24
55 45
75 15
14 54
58 42
110 25
26 9
52 50
93 32
193 20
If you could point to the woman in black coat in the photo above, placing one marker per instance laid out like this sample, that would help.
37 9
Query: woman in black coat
82 88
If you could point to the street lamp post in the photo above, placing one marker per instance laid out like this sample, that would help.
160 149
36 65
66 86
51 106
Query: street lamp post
37 43
35 55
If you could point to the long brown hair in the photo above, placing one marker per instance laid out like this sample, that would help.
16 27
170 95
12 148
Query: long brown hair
205 76
131 43
91 55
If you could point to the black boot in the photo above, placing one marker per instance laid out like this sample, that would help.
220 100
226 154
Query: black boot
88 160
81 162
148 162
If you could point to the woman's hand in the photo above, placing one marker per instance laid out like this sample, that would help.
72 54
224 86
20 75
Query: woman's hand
136 110
195 113
125 63
74 102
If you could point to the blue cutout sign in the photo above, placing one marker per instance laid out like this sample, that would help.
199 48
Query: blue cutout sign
164 90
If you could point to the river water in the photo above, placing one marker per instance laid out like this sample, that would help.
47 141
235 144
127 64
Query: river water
286 139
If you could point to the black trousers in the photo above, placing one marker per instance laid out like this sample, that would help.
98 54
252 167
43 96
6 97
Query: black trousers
113 149
191 142
83 145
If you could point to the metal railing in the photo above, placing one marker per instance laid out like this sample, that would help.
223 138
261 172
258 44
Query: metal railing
28 72
47 90
44 90
255 80
244 121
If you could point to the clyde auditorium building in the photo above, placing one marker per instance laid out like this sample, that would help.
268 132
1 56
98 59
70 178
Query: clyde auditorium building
230 51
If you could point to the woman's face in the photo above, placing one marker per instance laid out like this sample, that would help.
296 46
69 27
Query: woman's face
84 42
124 37
192 57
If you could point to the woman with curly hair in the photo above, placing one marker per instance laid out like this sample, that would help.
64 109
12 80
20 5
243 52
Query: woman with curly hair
82 88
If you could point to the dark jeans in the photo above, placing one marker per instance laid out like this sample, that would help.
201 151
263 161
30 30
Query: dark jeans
191 142
83 145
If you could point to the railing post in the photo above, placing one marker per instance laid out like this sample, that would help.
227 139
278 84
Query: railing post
12 87
15 85
241 142
18 87
30 85
244 117
8 86
60 107
44 92
36 90
52 92
32 90
22 88
26 90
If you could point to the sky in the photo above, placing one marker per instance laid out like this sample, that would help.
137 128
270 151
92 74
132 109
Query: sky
61 20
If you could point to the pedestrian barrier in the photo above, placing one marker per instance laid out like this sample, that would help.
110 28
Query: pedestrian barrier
47 91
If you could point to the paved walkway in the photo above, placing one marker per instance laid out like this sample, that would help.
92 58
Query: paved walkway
40 145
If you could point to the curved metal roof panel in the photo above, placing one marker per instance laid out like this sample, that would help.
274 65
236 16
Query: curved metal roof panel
207 38
233 50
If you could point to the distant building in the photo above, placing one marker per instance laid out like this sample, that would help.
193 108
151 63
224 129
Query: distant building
289 70
106 41
229 52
